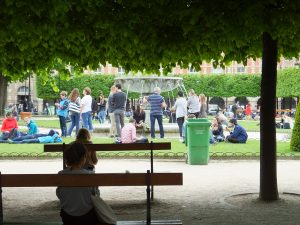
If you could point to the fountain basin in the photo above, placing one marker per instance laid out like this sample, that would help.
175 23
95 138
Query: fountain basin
146 84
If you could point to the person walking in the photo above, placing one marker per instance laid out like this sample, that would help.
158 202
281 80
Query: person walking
157 102
181 110
193 103
119 100
74 110
86 109
62 112
110 109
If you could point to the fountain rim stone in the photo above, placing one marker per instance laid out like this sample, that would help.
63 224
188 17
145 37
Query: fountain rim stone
134 79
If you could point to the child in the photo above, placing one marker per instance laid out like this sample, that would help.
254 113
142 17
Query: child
76 204
62 112
31 125
84 137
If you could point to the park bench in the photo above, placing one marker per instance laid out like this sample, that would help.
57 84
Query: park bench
115 147
84 180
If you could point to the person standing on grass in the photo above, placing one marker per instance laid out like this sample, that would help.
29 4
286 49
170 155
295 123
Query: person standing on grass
86 109
181 110
102 108
203 106
74 110
157 102
62 112
193 103
238 134
119 100
110 109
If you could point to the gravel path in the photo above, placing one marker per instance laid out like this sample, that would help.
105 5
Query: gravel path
211 194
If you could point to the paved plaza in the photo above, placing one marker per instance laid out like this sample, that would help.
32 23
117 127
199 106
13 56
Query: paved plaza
220 193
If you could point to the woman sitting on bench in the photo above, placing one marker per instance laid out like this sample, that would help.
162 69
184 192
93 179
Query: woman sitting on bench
84 137
76 203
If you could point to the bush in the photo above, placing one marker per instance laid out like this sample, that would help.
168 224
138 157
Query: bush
295 140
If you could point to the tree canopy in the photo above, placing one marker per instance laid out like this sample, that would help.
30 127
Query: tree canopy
141 35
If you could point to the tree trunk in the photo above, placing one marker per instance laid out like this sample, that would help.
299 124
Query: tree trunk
268 169
3 93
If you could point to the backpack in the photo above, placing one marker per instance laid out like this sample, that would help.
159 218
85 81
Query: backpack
94 105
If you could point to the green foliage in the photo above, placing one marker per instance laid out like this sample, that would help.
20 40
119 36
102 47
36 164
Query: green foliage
288 83
95 82
224 85
295 140
141 35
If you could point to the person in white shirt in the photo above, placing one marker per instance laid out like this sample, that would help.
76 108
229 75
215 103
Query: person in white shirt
181 110
86 109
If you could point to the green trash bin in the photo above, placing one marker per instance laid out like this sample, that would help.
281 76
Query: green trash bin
197 140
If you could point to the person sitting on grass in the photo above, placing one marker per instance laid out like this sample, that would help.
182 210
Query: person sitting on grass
84 137
217 131
76 204
128 133
238 134
31 125
9 126
52 137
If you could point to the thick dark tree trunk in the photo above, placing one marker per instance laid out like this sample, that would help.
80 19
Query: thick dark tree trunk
3 93
268 169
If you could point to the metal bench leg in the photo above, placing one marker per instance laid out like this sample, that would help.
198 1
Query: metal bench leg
148 198
1 207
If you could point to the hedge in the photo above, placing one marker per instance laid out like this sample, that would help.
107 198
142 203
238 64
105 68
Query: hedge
225 85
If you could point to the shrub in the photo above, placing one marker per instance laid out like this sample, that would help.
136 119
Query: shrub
295 140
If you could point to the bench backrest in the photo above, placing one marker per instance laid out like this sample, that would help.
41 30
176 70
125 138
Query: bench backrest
113 147
83 180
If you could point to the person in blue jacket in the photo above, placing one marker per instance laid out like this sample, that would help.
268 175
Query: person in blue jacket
238 134
62 112
31 125
52 137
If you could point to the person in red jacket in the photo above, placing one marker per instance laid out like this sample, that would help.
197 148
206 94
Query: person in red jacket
9 126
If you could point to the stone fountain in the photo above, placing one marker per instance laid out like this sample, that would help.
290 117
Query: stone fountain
146 84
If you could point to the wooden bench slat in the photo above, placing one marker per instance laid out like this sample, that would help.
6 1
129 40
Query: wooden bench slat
83 180
153 222
113 147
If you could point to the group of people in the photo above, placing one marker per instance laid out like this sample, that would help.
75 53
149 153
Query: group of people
83 109
12 134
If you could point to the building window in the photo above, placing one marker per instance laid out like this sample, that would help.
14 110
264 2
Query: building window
240 69
98 71
121 71
192 70
218 70
23 89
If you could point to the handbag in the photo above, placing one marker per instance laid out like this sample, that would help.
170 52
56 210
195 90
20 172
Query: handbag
103 211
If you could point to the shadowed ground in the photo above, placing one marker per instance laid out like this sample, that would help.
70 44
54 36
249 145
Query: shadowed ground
213 194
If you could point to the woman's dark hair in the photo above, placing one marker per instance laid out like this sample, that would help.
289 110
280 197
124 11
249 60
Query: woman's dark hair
75 154
83 134
180 93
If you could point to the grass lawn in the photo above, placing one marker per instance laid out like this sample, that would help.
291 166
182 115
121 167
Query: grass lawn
249 125
178 149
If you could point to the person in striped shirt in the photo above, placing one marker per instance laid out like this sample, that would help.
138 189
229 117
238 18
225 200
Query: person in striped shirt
157 103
